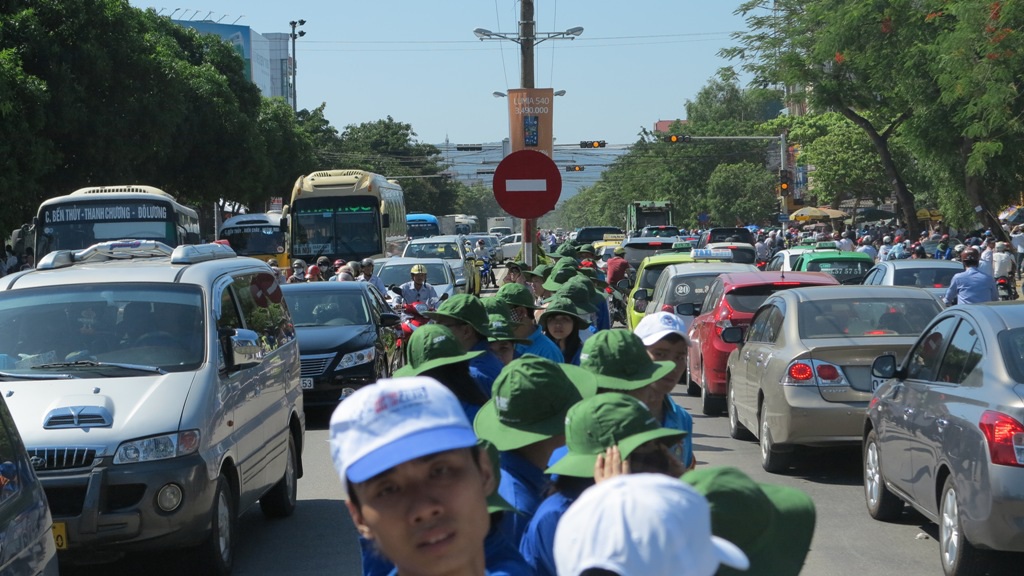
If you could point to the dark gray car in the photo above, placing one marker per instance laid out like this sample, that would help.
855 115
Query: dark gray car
945 433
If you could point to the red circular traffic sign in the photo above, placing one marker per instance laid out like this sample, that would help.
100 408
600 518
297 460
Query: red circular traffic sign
527 184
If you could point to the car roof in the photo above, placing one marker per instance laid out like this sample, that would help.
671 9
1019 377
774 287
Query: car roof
647 241
808 293
436 239
410 261
666 259
737 244
707 267
834 255
998 316
736 279
921 263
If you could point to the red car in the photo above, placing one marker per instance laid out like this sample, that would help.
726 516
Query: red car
731 300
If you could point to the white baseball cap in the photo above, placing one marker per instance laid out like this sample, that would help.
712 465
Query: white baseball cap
654 327
649 524
393 421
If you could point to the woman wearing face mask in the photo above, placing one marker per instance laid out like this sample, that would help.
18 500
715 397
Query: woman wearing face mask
562 321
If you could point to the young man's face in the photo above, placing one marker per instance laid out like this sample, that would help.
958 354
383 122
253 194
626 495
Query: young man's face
429 515
673 350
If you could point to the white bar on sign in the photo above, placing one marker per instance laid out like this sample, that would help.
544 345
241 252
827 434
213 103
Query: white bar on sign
539 185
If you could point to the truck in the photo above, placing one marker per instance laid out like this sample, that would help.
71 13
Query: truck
642 213
501 225
447 224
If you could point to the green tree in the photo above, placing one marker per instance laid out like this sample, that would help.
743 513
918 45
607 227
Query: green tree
741 194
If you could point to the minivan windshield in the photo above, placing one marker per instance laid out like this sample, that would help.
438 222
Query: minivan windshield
148 324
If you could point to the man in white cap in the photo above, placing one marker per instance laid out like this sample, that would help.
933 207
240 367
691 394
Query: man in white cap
647 524
412 475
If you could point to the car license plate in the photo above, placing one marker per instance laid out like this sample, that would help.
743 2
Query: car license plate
306 383
876 382
60 535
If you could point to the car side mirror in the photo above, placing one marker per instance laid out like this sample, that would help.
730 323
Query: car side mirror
460 282
640 305
243 349
641 294
388 319
687 309
732 335
884 367
622 285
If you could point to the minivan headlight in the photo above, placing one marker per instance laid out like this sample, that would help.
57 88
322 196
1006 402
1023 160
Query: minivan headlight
157 447
358 357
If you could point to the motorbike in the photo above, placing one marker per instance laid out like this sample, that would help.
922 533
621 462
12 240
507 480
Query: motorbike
617 303
487 277
1007 288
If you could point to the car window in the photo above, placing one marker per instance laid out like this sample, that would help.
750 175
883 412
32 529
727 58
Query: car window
712 297
401 273
925 277
865 317
872 277
774 327
650 275
448 250
263 309
924 358
689 288
840 269
776 263
962 355
336 308
758 326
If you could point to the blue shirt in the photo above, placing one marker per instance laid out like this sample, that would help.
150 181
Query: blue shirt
603 319
972 286
677 418
377 282
485 367
500 558
522 486
538 544
541 346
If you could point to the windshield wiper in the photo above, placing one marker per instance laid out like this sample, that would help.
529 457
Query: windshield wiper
12 376
95 364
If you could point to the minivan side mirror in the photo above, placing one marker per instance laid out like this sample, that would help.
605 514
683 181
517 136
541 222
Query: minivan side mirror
732 335
243 349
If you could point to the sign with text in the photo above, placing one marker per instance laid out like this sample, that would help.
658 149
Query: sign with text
529 119
106 212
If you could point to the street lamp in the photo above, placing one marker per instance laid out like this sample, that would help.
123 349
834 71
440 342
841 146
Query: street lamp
570 34
295 36
504 95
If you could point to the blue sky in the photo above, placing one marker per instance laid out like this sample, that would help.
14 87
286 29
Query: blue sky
419 62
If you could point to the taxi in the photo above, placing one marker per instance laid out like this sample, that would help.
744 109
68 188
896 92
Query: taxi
650 270
846 267
603 248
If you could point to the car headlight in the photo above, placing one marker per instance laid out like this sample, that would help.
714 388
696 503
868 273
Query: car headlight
157 447
356 358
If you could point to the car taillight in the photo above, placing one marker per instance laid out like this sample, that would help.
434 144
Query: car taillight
724 319
800 373
828 372
1005 436
814 373
668 308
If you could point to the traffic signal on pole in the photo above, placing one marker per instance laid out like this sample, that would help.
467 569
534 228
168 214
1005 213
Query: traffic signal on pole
785 182
676 138
574 168
592 144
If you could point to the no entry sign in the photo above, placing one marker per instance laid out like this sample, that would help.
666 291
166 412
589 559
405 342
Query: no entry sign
527 184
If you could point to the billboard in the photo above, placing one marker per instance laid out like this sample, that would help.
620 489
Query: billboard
529 118
250 45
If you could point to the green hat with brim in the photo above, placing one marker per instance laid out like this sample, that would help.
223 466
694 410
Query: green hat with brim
431 346
495 503
620 360
562 305
774 526
516 295
464 308
605 420
501 330
585 248
594 276
496 306
528 404
559 276
541 271
566 250
581 293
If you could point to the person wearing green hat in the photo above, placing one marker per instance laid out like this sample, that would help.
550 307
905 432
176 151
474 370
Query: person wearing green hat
433 351
562 322
535 278
503 340
466 317
525 419
560 274
772 524
514 272
585 252
599 298
620 361
593 428
520 301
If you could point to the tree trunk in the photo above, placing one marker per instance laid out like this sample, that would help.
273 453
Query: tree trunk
899 187
974 187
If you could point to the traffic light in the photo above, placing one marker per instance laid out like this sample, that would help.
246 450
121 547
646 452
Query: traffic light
592 144
676 138
784 182
574 168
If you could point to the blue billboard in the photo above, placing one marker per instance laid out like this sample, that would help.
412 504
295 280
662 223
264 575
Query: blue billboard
250 45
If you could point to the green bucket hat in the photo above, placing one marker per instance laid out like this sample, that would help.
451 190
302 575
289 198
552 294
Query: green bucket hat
585 248
559 275
594 276
580 292
464 308
772 524
596 424
566 250
431 346
501 330
562 305
528 404
496 306
495 503
516 295
620 360
541 271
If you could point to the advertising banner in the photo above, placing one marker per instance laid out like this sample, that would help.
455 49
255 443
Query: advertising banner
529 117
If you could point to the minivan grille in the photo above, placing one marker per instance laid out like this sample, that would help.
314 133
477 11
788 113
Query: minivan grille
61 458
313 366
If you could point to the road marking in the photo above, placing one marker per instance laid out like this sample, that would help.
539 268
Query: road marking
526 185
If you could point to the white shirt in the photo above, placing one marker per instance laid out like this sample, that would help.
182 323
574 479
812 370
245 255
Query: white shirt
1002 264
985 265
846 245
869 250
1018 241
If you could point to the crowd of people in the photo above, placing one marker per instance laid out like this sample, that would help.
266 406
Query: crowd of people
524 436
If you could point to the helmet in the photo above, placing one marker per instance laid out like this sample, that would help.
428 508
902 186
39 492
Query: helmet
323 261
944 237
313 270
866 240
970 256
366 262
480 242
1000 246
338 263
886 240
418 269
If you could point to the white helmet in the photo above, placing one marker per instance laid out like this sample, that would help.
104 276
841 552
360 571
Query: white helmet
887 240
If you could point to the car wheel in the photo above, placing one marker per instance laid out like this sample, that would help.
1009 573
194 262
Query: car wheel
736 429
772 460
959 557
709 405
216 556
692 388
882 504
280 501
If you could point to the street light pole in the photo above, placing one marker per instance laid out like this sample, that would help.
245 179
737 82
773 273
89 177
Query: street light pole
527 40
295 36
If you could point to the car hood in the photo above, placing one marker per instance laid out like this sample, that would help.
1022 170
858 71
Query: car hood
325 339
134 407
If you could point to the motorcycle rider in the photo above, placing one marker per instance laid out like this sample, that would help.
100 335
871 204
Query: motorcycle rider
367 275
1004 265
972 286
417 289
617 266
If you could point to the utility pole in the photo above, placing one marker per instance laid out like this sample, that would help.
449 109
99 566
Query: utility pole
295 36
527 39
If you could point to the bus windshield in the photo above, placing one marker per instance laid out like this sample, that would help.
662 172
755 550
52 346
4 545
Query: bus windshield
80 224
256 240
422 229
340 227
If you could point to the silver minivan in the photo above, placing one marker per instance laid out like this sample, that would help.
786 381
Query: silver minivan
157 392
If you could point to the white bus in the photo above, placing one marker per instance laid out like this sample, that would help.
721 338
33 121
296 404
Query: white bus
257 236
91 215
